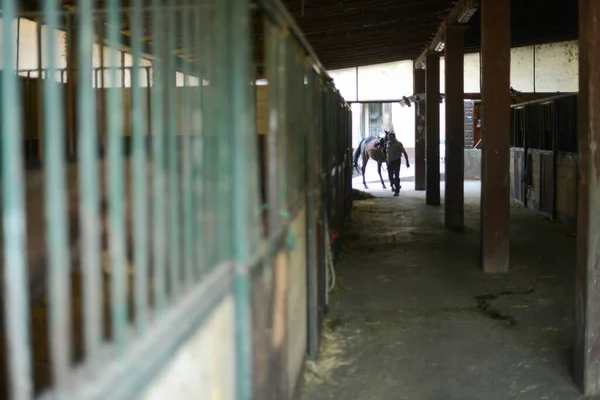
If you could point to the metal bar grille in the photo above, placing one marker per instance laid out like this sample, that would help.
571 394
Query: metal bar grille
143 213
548 124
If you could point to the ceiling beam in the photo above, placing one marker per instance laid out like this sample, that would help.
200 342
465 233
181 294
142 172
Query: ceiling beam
360 14
342 9
461 13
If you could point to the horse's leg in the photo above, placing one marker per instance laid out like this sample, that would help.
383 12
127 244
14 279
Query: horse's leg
379 171
364 168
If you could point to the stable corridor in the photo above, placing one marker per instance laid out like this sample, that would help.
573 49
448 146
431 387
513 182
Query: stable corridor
413 317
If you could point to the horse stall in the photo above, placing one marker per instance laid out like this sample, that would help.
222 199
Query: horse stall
153 234
306 168
544 157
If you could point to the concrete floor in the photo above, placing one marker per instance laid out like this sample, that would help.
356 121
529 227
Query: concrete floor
413 317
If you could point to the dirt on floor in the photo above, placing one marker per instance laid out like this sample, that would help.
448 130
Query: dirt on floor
414 317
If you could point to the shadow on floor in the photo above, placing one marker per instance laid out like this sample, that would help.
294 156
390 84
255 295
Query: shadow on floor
413 317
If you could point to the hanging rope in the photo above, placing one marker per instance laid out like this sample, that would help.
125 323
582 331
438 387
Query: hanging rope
329 240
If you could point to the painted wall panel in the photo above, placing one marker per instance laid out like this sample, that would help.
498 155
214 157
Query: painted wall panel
521 69
557 67
201 369
385 81
297 302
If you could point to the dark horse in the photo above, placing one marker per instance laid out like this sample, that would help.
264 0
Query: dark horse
371 147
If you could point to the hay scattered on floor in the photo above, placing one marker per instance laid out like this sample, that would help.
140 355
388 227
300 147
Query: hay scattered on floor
331 357
358 195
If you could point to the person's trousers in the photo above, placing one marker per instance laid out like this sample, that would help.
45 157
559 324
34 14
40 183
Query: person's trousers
394 174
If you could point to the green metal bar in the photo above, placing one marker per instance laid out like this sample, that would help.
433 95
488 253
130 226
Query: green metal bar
283 127
303 123
311 265
327 150
88 186
139 175
273 104
114 107
245 186
287 133
224 132
210 142
297 133
292 133
13 221
198 122
158 162
188 198
172 156
56 212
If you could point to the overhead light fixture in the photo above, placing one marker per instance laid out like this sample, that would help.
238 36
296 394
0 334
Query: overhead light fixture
466 15
439 47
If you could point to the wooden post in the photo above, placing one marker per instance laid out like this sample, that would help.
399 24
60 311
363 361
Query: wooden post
495 104
455 128
432 193
419 161
587 288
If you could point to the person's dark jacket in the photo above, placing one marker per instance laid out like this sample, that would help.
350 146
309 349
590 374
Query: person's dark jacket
395 150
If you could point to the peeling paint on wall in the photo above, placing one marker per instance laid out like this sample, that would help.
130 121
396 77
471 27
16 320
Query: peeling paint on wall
556 69
521 69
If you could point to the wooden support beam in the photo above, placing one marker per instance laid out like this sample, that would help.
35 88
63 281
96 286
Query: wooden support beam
419 163
587 287
495 105
455 128
461 13
432 88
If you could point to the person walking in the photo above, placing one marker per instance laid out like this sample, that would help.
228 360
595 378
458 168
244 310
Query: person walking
395 150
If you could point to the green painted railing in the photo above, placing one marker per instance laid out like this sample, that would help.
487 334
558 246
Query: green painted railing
153 215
